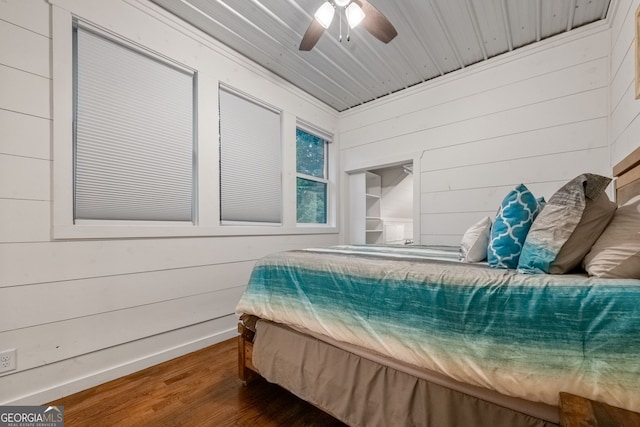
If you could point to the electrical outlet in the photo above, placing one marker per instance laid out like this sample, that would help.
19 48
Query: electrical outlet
8 360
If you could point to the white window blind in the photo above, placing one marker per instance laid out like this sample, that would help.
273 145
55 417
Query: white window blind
134 134
250 161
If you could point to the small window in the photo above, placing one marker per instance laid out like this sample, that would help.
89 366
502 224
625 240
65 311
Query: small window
133 133
311 178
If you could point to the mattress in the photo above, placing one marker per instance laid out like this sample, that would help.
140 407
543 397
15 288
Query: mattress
527 336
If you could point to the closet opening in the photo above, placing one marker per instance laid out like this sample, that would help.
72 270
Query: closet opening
383 203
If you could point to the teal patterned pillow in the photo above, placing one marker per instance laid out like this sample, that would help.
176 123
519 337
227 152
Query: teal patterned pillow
510 228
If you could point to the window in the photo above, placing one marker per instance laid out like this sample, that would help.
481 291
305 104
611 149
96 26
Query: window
133 133
250 161
311 178
150 139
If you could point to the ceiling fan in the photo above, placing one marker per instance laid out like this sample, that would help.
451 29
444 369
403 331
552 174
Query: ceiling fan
356 11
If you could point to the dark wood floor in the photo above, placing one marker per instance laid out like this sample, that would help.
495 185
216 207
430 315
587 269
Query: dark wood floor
199 389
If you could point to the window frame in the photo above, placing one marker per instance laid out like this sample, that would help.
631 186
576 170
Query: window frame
261 104
78 25
329 204
219 64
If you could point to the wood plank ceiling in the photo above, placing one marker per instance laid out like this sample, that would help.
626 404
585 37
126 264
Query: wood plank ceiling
435 37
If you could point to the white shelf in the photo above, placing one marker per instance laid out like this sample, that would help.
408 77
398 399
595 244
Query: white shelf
373 184
373 222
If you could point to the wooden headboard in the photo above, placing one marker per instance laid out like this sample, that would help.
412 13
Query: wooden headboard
627 173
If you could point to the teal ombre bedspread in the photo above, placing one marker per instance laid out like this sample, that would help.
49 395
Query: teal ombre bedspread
528 336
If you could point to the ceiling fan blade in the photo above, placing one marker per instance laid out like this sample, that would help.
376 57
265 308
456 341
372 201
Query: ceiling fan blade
311 36
376 23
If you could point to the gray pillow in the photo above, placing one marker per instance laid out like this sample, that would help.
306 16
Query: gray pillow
568 226
616 254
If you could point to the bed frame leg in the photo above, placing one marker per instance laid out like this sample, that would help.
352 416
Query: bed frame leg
246 371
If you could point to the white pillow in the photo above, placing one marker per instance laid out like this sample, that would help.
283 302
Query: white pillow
475 241
616 253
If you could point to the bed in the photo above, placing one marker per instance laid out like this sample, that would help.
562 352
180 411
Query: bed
381 336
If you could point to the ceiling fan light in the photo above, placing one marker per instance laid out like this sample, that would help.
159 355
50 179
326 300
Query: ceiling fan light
355 15
324 14
341 3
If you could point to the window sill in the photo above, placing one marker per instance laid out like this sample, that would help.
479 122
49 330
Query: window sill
64 232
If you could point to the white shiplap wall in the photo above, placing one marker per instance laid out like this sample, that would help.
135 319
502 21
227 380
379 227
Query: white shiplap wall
81 312
538 116
625 109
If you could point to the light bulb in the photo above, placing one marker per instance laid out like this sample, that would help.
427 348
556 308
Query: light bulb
324 14
341 3
355 14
